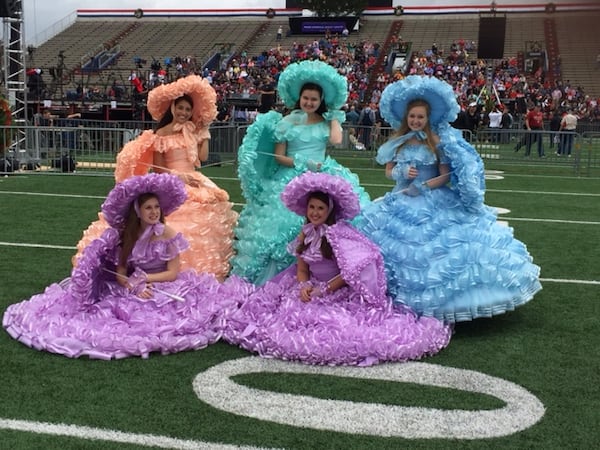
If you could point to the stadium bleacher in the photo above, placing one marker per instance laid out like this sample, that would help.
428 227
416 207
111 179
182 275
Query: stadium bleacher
141 42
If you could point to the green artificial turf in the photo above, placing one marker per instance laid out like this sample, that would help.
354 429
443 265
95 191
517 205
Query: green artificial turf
548 346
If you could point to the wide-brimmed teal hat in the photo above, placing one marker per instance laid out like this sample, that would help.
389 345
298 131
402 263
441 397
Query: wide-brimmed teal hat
296 75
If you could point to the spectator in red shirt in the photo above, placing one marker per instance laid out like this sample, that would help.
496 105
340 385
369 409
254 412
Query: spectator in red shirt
534 122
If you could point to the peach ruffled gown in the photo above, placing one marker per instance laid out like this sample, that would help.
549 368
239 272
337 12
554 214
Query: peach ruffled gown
206 219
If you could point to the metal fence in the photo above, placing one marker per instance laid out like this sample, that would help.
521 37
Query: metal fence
92 146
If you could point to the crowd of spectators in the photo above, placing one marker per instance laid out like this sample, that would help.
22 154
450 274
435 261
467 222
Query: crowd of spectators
511 86
506 85
479 88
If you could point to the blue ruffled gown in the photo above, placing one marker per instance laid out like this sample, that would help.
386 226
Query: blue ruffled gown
445 254
90 314
265 225
355 325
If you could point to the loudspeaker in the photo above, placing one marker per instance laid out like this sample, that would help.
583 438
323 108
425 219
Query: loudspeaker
65 163
8 165
490 43
9 8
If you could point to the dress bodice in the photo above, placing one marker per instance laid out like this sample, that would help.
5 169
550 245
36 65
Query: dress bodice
181 147
308 139
157 253
321 268
324 269
177 159
420 157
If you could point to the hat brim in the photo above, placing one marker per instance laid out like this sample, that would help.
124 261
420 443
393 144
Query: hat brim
296 193
296 75
437 93
199 89
169 189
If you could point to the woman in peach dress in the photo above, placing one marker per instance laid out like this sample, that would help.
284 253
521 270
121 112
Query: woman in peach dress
184 110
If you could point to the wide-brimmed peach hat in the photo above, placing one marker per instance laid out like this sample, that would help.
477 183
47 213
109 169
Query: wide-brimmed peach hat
199 89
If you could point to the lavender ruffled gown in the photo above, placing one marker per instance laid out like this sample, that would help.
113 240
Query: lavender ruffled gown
90 314
355 325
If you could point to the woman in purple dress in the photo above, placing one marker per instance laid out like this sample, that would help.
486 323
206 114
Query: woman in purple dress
127 296
331 306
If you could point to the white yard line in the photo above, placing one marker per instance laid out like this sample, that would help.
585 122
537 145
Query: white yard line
528 219
103 434
45 194
22 244
515 191
563 280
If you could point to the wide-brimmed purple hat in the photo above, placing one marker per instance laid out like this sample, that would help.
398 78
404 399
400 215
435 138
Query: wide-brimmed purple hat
169 189
345 201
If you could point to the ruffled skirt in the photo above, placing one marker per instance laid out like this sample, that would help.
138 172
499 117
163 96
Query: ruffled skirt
338 329
446 262
122 325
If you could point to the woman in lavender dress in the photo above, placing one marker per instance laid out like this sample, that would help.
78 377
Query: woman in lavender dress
331 306
127 296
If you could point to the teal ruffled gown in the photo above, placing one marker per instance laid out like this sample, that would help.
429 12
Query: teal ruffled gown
265 225
445 254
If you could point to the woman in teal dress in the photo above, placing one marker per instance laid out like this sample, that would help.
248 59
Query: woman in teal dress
277 149
445 254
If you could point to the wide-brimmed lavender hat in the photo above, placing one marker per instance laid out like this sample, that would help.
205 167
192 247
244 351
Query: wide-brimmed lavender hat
169 190
345 200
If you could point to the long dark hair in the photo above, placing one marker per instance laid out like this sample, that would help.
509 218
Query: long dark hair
313 87
131 231
326 249
168 117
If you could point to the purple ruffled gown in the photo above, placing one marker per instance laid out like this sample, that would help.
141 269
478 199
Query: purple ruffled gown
355 325
90 314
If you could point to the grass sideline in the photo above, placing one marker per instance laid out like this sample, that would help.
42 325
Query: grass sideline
548 346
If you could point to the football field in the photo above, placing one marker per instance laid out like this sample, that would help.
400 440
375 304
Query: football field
526 379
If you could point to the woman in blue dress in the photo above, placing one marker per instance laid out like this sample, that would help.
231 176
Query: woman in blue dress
277 149
445 254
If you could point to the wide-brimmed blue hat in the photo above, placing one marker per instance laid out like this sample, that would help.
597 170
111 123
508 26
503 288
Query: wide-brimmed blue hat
437 93
296 75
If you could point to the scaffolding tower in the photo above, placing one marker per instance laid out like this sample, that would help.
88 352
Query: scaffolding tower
14 75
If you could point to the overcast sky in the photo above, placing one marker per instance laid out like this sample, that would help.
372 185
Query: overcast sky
43 14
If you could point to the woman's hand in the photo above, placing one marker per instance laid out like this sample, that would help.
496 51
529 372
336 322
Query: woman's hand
146 293
404 171
413 173
188 179
136 282
305 293
313 166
